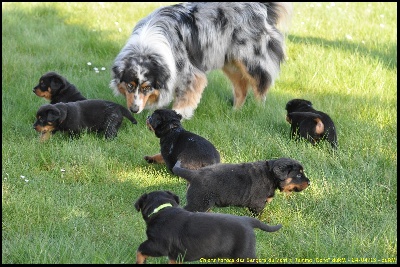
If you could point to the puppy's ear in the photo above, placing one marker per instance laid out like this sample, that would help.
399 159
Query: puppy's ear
281 168
56 83
139 203
176 198
53 115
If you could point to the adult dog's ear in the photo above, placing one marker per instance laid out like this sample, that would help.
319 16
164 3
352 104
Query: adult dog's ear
281 168
176 198
117 71
139 203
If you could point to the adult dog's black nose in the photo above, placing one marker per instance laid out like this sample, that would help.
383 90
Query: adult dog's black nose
134 109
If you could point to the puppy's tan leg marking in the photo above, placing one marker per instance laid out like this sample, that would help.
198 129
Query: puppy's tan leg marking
269 199
140 258
157 158
319 128
187 102
172 261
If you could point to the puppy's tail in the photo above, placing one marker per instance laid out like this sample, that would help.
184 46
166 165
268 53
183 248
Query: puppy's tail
265 227
280 14
128 115
182 172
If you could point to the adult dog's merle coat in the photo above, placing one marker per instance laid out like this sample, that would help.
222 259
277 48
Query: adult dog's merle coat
188 236
169 52
250 185
54 87
93 115
192 150
309 123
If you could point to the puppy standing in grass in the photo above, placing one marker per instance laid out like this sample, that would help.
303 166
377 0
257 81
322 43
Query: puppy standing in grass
250 185
192 150
170 51
308 123
93 115
186 236
54 87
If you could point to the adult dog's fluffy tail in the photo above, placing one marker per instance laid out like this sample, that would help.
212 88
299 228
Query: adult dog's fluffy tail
182 172
265 227
279 14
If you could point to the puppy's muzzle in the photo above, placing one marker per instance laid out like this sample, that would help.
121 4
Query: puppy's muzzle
148 123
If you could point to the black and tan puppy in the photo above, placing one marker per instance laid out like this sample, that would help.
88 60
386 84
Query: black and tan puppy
55 88
250 185
192 150
189 236
308 123
93 115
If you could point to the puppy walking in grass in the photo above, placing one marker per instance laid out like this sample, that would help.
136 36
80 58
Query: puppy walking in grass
250 185
182 235
94 115
309 123
176 143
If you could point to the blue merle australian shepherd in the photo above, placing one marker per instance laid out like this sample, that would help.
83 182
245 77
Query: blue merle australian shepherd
170 51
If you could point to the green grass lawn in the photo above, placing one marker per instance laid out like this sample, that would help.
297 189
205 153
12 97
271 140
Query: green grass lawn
71 201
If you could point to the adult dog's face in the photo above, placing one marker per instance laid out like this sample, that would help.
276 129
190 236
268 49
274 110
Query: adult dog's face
48 84
163 120
140 80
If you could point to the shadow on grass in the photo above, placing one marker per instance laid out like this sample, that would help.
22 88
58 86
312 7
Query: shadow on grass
389 59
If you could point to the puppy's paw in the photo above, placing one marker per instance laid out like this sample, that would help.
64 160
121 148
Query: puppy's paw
154 159
149 159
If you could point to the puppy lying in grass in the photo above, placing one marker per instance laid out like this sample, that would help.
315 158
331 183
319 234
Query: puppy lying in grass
192 150
189 236
54 87
308 123
93 115
250 185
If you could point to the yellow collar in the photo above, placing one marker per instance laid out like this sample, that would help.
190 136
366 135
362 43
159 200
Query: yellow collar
159 208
